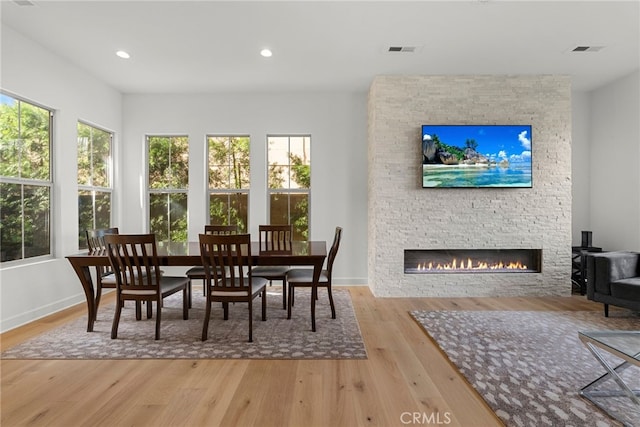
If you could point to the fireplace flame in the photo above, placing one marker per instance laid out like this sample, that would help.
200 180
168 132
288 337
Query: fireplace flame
456 264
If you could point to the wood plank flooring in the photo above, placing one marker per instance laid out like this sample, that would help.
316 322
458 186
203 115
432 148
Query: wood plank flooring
406 380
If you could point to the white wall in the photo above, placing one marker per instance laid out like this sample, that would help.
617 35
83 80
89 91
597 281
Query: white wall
34 290
335 121
615 164
580 167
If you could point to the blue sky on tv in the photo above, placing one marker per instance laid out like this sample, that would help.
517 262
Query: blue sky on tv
498 142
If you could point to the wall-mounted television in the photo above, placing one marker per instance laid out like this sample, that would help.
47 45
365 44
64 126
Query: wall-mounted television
476 156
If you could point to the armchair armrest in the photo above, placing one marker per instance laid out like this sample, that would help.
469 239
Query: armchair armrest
604 268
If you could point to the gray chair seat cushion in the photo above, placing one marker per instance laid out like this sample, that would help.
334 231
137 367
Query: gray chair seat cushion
628 289
270 270
195 272
305 275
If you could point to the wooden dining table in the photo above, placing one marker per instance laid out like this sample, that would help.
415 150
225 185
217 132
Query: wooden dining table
179 254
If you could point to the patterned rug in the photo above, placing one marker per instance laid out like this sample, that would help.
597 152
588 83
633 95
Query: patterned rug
276 338
530 366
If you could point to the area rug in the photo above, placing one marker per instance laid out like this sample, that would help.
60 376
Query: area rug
276 338
529 366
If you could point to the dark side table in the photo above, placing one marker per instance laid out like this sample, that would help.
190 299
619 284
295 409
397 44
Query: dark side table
579 265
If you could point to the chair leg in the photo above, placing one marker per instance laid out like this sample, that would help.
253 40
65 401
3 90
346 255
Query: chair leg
158 316
149 309
333 308
264 304
116 321
185 304
606 310
284 293
205 325
138 310
189 291
290 302
251 320
225 310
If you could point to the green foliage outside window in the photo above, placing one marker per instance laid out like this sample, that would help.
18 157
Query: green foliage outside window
94 179
168 183
289 182
229 181
25 179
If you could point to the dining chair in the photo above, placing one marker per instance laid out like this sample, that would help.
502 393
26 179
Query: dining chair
197 272
134 260
226 260
303 277
104 274
274 240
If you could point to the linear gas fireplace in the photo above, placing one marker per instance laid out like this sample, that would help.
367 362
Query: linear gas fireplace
429 261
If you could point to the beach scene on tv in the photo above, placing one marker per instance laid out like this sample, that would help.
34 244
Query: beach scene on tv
476 156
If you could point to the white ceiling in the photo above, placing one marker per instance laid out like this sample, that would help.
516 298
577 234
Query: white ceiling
213 46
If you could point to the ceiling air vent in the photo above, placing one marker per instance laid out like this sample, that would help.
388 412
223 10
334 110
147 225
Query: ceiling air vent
587 48
409 49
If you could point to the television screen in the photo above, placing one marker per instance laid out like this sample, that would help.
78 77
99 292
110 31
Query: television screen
463 156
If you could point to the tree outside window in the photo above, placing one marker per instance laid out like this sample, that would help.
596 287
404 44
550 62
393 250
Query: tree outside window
228 175
168 184
25 179
289 180
94 180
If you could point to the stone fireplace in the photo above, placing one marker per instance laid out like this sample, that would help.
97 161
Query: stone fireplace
404 216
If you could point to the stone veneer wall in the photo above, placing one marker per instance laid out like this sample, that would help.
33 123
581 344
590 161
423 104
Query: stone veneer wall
403 215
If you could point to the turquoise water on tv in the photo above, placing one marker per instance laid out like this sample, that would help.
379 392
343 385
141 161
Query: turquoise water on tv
516 175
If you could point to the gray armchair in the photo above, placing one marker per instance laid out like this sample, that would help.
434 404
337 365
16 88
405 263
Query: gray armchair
614 278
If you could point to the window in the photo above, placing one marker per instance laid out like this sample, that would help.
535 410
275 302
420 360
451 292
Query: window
25 179
228 170
94 180
168 183
289 159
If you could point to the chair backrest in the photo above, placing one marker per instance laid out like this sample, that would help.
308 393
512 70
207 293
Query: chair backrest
334 249
95 239
233 251
134 260
275 238
220 229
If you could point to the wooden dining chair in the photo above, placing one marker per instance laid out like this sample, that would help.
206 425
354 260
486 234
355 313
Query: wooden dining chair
274 240
226 260
134 260
197 272
303 277
104 274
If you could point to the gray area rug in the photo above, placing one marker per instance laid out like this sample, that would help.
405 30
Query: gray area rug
276 338
529 366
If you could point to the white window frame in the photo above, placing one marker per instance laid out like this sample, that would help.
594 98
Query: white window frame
49 184
93 189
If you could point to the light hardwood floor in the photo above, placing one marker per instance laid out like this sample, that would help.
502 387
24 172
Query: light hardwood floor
405 376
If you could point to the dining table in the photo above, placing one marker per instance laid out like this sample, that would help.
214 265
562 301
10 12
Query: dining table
187 254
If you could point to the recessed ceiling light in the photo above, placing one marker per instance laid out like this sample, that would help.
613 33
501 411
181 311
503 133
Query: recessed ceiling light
122 54
266 53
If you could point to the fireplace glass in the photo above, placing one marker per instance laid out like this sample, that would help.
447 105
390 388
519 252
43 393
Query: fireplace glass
427 261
